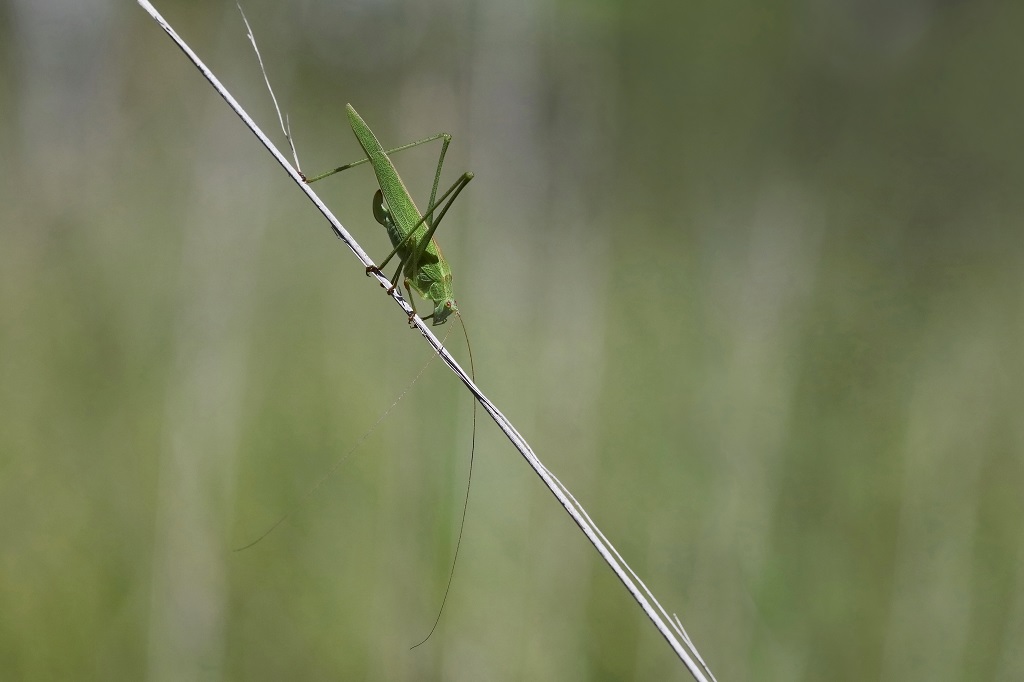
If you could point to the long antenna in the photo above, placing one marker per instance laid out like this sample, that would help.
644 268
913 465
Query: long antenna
465 502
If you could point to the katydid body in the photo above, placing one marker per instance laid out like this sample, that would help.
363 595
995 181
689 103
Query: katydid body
411 233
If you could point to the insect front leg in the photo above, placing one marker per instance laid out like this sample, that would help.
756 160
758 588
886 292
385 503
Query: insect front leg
373 269
412 304
394 281
383 216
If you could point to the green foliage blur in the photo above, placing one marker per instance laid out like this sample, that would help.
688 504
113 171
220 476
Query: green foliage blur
747 275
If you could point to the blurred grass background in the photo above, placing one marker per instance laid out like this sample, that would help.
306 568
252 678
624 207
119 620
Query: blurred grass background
746 275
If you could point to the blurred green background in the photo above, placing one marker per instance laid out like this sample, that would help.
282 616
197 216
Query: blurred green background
747 275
